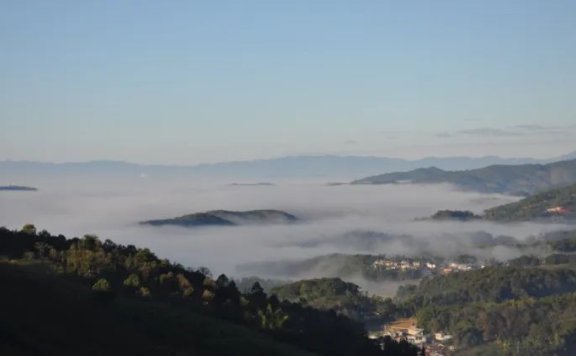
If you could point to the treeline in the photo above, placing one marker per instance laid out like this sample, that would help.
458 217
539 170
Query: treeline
116 273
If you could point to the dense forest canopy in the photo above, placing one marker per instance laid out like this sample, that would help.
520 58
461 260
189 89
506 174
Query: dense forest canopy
521 303
132 284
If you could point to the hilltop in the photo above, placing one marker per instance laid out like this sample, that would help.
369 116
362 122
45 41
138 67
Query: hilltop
17 188
227 218
520 180
329 294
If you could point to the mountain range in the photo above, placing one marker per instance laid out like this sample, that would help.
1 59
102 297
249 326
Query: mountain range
325 166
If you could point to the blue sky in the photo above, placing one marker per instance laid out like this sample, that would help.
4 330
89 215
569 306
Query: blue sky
202 81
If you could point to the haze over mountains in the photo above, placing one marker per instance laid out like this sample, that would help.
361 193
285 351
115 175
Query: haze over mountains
325 166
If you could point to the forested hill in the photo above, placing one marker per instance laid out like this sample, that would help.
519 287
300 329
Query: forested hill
17 188
227 218
344 298
496 310
556 205
84 296
509 179
328 294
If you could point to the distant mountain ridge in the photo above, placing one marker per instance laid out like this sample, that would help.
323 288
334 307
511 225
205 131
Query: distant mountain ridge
520 180
292 166
227 218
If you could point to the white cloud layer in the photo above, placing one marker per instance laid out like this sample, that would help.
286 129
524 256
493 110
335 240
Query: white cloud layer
111 210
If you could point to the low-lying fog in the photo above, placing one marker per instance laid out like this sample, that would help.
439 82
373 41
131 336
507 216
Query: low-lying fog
329 213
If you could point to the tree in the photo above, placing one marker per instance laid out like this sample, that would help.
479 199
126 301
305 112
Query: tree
271 318
133 281
207 296
103 291
101 285
29 229
90 242
257 295
470 337
144 292
205 271
222 281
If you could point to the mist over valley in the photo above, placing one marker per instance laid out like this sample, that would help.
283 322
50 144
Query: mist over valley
359 219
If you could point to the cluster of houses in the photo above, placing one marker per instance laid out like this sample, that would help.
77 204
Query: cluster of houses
438 344
403 265
557 210
456 267
426 267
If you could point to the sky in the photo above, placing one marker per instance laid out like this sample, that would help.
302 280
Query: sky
185 82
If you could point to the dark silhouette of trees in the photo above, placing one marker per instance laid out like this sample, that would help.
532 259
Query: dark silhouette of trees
119 275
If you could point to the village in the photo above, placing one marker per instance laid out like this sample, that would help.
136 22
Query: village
424 267
437 344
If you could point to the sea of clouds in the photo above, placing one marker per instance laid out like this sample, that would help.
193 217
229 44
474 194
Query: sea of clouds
330 216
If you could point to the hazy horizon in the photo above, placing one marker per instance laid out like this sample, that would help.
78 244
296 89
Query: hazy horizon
399 157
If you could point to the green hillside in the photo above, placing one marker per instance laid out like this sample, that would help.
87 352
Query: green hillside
82 296
325 293
499 310
43 313
510 179
553 205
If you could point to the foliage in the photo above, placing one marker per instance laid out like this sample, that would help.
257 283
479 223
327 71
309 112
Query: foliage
564 241
490 284
271 318
528 325
121 275
51 314
529 309
29 229
334 294
101 285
